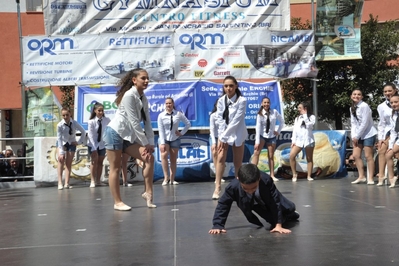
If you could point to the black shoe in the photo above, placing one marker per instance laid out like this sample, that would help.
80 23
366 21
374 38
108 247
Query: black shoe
293 216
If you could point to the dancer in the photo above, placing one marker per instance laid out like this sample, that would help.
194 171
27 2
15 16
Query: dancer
302 137
95 145
393 145
363 135
384 127
169 139
254 192
231 109
266 133
213 138
66 145
125 134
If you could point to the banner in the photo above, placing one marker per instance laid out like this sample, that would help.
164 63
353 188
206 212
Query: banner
338 30
42 113
105 58
70 17
194 161
195 99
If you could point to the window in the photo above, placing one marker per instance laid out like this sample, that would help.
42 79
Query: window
34 5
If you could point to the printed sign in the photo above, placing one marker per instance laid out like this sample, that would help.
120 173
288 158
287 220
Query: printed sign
71 17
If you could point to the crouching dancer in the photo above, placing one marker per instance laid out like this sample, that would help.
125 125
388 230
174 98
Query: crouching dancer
254 191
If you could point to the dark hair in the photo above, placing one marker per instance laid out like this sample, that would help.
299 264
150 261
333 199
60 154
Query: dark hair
126 83
353 106
248 173
238 92
173 101
95 107
390 84
261 107
308 107
215 107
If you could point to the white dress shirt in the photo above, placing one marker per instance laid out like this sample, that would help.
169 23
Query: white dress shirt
362 127
302 134
63 136
236 131
261 125
213 128
92 126
164 122
384 125
126 121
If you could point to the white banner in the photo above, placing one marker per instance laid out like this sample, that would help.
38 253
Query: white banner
70 17
105 58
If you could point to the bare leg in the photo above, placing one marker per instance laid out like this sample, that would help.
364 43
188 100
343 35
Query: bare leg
382 162
357 156
60 170
270 153
99 169
125 159
294 152
390 164
136 151
369 152
309 159
114 159
173 164
238 156
221 160
165 150
93 168
68 167
257 150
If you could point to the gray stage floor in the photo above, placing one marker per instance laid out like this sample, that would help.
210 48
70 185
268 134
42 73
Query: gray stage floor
340 224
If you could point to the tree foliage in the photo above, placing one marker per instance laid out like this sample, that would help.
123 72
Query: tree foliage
68 96
337 79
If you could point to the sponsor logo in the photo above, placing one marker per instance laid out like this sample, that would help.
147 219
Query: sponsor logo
199 74
221 73
200 40
193 151
188 55
220 61
232 54
202 63
49 45
241 65
344 32
185 67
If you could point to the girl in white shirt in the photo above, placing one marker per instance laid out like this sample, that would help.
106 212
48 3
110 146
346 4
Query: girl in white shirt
393 145
302 137
213 137
66 145
231 108
384 126
96 125
169 139
266 133
125 134
363 135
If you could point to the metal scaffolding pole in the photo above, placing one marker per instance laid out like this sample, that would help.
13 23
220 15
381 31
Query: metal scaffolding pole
314 83
22 67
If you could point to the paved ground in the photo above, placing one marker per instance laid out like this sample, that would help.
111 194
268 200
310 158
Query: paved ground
340 224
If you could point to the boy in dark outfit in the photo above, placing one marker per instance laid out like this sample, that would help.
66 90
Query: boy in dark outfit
254 191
